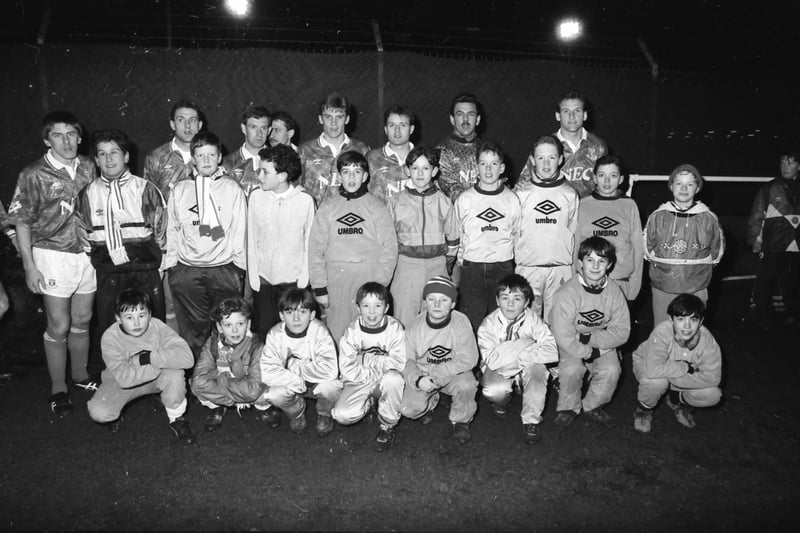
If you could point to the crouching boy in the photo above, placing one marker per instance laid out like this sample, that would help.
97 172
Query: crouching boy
590 321
515 345
680 358
228 371
441 353
372 355
299 362
142 356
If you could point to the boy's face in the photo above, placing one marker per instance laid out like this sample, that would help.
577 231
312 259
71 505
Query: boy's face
372 310
607 180
438 306
547 161
465 118
490 168
353 176
206 159
684 189
134 322
279 134
685 328
297 319
333 121
63 139
269 178
185 124
256 132
789 168
422 172
398 129
111 160
233 328
594 268
512 303
571 115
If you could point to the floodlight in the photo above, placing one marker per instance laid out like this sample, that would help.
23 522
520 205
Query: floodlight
239 8
569 29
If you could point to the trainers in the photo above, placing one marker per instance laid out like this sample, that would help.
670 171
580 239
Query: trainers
214 419
180 426
383 441
324 425
298 423
499 411
88 384
60 404
601 417
683 413
531 433
271 417
427 418
564 419
642 420
461 433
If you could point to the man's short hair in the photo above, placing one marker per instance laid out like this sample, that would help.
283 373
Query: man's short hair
549 139
490 147
372 288
423 151
205 138
686 305
187 104
111 135
228 306
352 158
466 98
255 112
286 118
686 167
601 247
401 110
335 101
284 158
514 283
60 117
570 95
131 299
297 298
791 155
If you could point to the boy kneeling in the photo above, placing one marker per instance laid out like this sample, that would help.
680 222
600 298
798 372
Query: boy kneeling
372 355
515 346
682 358
228 371
142 356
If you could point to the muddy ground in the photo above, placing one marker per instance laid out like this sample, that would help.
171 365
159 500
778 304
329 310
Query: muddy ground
738 470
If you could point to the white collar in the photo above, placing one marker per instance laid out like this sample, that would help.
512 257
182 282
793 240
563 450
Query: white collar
185 154
389 152
71 169
335 149
574 147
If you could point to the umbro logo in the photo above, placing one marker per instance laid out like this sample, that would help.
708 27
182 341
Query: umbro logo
350 220
194 210
439 352
490 215
592 316
547 207
605 223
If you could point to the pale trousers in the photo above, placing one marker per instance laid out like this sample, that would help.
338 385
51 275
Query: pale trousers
110 398
533 383
354 402
603 377
652 389
461 388
545 281
409 280
294 404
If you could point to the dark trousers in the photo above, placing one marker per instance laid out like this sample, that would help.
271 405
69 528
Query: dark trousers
265 307
109 287
477 287
196 291
776 283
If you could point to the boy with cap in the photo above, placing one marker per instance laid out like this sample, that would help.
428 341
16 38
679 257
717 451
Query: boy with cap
441 353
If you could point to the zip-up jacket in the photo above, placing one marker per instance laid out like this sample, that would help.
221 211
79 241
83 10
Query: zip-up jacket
240 170
289 360
388 176
165 167
425 223
227 375
507 347
774 223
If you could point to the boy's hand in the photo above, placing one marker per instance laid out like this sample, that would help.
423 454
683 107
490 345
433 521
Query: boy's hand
594 355
690 368
143 356
426 384
584 338
323 301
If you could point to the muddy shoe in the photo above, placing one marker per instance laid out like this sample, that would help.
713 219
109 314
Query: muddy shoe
60 404
683 413
642 420
270 417
180 426
298 423
600 417
384 439
564 419
499 411
461 433
531 433
214 420
324 425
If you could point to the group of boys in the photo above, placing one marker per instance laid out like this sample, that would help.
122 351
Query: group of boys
542 274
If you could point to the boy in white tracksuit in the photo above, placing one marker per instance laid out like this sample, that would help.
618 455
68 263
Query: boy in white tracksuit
515 345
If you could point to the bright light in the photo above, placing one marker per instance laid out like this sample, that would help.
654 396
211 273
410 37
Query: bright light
239 8
569 29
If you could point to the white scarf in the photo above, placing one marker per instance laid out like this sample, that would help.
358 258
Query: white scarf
210 225
116 215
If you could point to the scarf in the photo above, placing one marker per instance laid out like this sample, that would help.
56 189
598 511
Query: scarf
116 215
210 226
